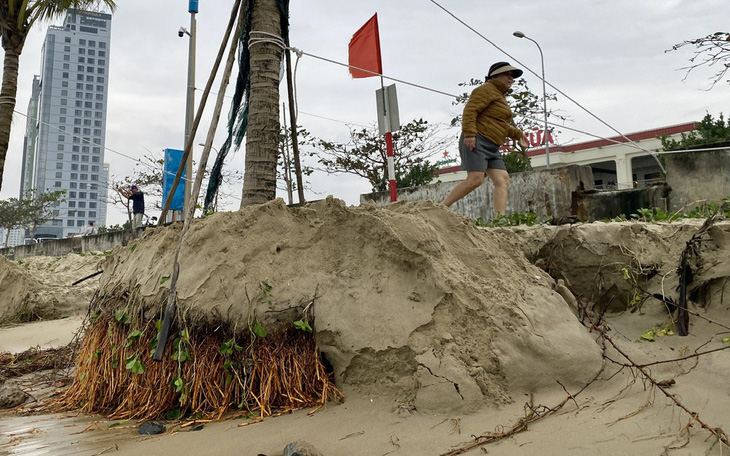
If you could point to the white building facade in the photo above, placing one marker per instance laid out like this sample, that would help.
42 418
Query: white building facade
68 151
618 162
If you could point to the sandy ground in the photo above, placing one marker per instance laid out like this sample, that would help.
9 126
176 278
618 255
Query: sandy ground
620 412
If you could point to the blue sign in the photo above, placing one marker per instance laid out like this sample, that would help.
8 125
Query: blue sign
173 157
193 6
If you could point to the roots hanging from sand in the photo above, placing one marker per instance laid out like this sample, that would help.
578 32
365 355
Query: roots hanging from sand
202 374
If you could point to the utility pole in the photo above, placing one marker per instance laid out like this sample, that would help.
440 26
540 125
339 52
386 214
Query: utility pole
190 104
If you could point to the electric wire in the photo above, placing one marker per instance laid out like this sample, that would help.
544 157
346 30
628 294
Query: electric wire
546 82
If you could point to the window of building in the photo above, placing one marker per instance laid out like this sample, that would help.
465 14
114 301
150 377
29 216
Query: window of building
84 177
92 214
79 94
95 168
59 156
75 157
97 132
64 75
62 119
96 141
99 88
77 112
82 195
99 105
82 59
100 80
100 70
89 96
84 167
74 176
63 111
88 104
87 131
98 115
87 113
94 177
79 222
92 205
79 77
67 57
67 39
93 196
57 184
69 223
75 149
82 51
80 68
85 149
60 147
77 130
59 165
72 185
91 61
85 158
92 43
94 187
77 121
92 52
59 175
97 123
89 69
94 159
102 62
79 103
64 83
66 66
82 204
89 79
61 138
64 102
74 167
67 49
100 96
89 86
102 44
82 42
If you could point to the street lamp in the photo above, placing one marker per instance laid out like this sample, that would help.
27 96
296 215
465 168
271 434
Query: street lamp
190 100
519 34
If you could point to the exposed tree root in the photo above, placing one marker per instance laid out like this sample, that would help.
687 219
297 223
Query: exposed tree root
201 375
33 360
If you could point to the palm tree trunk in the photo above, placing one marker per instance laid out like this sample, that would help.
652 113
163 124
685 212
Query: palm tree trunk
262 137
7 99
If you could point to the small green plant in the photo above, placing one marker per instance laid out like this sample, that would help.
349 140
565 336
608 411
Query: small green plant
655 214
259 330
302 326
181 346
133 337
228 347
134 365
514 219
655 332
121 316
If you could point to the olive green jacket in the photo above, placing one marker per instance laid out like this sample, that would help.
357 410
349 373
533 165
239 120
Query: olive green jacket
487 113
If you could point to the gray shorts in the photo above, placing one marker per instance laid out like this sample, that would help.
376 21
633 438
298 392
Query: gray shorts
486 155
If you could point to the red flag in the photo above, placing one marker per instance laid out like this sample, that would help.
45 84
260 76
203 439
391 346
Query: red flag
364 50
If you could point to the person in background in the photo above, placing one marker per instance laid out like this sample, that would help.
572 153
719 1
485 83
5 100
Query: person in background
89 230
485 124
137 197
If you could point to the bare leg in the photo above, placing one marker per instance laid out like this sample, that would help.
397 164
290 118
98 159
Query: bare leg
473 180
500 179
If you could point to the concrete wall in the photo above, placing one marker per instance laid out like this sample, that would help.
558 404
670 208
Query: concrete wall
697 176
61 247
548 193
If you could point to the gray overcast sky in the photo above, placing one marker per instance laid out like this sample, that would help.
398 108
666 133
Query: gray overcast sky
607 55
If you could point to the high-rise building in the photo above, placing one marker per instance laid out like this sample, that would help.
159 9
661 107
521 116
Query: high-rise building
71 122
29 140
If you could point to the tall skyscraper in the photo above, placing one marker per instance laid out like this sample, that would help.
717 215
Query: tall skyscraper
71 122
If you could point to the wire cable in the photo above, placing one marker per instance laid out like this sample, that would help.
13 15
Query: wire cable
546 82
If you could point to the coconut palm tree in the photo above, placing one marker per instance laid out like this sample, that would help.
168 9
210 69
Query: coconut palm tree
262 136
17 17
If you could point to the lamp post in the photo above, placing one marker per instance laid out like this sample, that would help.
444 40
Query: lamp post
546 134
190 101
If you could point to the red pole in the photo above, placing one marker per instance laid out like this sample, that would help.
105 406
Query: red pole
391 166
